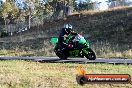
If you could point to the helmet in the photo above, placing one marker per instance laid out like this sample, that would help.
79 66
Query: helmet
68 28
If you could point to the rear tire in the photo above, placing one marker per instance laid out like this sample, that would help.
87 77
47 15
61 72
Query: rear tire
60 54
91 55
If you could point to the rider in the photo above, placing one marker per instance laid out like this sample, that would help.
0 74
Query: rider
65 32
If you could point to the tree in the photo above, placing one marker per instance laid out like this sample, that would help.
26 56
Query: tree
116 3
6 9
29 10
87 5
8 13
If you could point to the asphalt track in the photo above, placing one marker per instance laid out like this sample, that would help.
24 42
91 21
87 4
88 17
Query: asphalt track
71 60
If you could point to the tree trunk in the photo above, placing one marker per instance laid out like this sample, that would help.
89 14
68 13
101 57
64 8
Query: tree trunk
29 22
5 25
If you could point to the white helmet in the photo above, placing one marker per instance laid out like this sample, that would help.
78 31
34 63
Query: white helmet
67 26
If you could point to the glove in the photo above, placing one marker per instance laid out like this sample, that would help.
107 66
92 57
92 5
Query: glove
70 45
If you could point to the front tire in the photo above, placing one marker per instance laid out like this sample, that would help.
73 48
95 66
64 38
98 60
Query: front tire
91 55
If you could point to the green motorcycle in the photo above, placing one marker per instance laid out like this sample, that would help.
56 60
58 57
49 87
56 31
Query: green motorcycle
80 48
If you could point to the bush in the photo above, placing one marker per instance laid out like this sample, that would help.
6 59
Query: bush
4 34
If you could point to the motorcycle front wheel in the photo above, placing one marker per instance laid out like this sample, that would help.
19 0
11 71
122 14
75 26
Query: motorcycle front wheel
91 55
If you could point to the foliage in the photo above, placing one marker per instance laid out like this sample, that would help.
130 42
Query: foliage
88 5
116 3
6 9
3 34
9 11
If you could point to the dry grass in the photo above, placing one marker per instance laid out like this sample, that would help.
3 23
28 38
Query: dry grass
107 50
42 52
22 74
102 49
86 12
15 53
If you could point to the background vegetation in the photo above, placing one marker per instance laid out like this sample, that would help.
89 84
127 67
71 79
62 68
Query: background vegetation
28 26
109 34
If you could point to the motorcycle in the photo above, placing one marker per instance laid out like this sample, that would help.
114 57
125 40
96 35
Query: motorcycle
80 48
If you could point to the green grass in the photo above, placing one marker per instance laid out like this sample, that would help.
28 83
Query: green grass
27 74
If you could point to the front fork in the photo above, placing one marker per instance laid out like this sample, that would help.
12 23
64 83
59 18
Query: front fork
85 51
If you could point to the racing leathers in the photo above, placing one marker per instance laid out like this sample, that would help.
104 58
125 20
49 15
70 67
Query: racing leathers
62 41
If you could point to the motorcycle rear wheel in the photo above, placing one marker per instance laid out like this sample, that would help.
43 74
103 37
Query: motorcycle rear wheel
61 55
